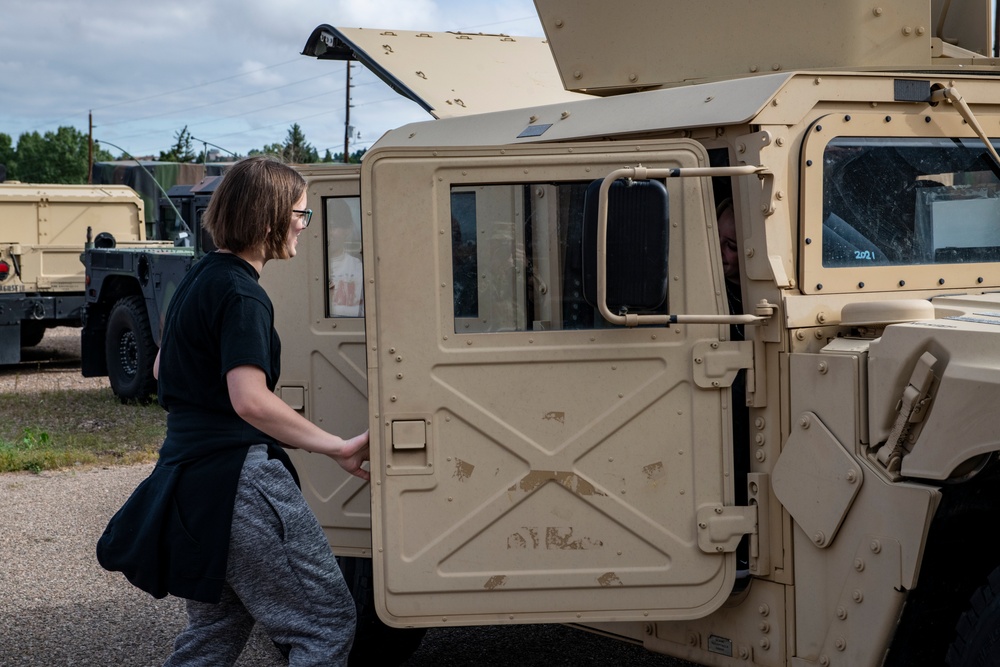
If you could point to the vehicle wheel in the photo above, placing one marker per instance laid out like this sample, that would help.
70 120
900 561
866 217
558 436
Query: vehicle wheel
31 333
374 642
130 350
977 640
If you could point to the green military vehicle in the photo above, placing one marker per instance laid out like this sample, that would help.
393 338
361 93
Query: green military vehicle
129 288
43 230
575 417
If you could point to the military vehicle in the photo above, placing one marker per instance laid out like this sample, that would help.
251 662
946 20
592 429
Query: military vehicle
574 416
129 288
43 230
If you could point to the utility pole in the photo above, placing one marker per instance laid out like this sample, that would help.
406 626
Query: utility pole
90 147
347 114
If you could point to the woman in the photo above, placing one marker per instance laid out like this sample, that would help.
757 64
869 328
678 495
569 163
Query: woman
221 520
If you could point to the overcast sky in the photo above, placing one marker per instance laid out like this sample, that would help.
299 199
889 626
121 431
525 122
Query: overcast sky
229 70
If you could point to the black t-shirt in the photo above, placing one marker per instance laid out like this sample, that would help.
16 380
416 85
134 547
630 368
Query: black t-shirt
218 319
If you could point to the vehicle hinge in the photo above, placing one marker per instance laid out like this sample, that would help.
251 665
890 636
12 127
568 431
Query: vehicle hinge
717 362
911 410
720 529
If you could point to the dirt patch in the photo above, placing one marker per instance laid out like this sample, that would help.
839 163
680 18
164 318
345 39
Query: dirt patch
52 364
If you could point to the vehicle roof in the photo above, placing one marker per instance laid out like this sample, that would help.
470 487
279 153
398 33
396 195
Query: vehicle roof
717 103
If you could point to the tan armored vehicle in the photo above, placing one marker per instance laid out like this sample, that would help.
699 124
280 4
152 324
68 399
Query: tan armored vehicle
43 230
576 418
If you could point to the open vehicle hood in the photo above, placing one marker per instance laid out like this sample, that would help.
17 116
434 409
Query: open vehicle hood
450 74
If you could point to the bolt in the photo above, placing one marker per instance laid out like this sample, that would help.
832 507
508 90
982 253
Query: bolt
763 610
859 565
822 368
857 596
875 546
765 643
759 423
819 538
841 613
841 643
760 455
805 421
764 626
852 476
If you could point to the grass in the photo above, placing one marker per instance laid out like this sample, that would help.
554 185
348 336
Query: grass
80 427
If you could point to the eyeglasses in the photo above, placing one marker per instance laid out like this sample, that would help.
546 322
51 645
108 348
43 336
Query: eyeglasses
307 215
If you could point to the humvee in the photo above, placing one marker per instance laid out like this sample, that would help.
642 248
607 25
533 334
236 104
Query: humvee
575 420
43 229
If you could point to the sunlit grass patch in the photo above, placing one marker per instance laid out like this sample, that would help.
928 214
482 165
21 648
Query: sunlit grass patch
65 428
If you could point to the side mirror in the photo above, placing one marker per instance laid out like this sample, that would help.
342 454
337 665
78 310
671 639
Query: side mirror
105 240
638 245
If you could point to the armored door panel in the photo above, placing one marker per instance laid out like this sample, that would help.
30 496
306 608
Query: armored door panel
530 461
319 313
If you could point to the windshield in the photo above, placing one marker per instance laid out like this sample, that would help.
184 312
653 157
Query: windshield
899 201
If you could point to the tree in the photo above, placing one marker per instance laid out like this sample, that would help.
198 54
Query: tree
296 149
327 156
182 150
56 157
6 156
273 150
355 156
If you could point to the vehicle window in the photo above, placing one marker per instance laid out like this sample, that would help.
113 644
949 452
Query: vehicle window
344 278
517 258
899 201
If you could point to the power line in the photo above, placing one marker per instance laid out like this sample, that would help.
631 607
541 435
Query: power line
200 85
169 92
211 104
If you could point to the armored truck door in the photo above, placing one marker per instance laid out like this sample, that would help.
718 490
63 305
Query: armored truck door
319 314
530 461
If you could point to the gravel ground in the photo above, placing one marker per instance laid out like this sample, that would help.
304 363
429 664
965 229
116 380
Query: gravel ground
58 607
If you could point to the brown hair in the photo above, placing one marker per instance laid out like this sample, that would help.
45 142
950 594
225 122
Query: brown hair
252 207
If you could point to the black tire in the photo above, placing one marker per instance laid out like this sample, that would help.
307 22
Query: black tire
375 643
130 351
32 333
977 640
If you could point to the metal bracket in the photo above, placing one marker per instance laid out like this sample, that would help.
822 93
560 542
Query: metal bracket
716 363
720 529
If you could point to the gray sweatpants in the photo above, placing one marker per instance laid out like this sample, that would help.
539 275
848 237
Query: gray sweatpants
281 574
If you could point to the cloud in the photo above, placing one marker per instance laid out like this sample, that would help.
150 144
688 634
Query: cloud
230 70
